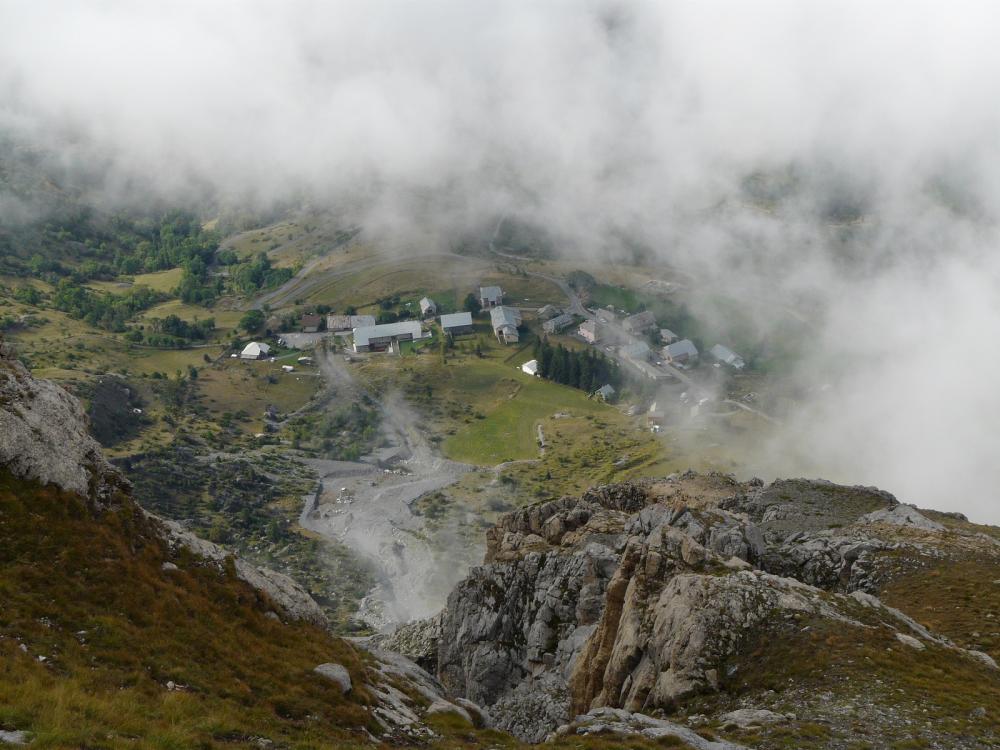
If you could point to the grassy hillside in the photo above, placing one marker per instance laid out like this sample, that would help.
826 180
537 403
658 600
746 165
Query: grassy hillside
93 631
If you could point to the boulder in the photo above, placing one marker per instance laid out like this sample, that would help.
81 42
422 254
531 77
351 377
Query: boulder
335 673
903 515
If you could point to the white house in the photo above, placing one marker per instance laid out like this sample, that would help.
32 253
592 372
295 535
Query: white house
255 350
530 367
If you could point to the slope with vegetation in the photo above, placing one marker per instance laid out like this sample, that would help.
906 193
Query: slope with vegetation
116 632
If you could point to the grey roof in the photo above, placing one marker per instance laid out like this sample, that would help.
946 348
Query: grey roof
644 319
347 322
560 321
256 347
548 311
606 390
427 302
490 292
680 348
725 354
636 350
455 320
667 335
505 316
363 335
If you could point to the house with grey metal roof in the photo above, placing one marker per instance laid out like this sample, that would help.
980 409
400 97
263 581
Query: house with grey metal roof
667 336
637 350
605 392
606 314
640 323
490 296
727 356
558 323
386 336
548 312
457 324
682 352
505 321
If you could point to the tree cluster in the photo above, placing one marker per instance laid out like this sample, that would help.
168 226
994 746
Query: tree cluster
585 369
108 311
258 273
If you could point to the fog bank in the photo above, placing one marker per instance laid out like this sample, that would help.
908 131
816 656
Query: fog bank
841 155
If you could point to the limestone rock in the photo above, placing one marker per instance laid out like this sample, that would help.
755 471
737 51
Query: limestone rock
903 515
43 437
635 596
336 673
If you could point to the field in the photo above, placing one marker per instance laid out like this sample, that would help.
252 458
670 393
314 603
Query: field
236 387
512 405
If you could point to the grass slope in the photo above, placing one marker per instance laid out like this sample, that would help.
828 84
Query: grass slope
92 629
90 596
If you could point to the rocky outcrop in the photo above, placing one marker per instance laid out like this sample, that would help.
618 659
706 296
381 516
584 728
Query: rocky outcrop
43 437
406 695
417 640
635 597
293 600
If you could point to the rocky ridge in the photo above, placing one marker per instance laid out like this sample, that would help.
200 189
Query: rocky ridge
641 597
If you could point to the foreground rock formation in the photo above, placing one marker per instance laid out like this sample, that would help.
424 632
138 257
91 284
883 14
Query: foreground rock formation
647 598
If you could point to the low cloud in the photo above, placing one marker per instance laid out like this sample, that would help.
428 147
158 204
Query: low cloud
839 157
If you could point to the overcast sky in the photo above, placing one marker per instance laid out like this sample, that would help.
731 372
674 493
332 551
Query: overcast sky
597 117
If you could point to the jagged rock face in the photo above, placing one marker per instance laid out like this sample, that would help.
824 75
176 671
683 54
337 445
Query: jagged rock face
43 437
633 596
